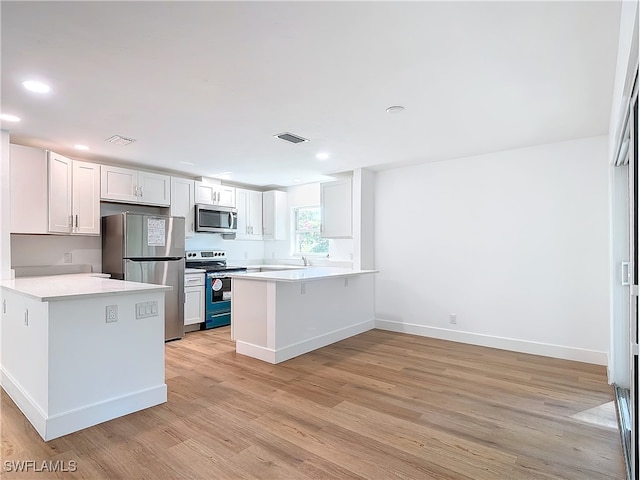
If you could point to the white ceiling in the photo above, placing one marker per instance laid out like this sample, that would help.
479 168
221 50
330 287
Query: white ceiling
210 83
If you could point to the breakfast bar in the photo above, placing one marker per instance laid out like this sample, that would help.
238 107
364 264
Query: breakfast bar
78 350
279 315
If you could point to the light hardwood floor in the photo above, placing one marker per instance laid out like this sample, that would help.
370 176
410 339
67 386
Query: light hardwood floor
379 405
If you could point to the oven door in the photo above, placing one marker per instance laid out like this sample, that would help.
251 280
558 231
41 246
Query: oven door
218 301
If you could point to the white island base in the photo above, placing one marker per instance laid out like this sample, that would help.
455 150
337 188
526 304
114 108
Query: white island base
276 316
65 366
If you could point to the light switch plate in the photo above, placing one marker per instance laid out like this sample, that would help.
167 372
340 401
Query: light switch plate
146 309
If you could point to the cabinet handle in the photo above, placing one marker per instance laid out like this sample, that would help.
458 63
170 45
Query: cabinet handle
76 221
141 191
4 306
26 316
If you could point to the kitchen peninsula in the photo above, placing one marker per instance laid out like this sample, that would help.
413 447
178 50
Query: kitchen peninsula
279 315
78 350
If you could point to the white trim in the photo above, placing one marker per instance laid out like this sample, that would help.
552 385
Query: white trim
87 416
25 403
512 344
296 349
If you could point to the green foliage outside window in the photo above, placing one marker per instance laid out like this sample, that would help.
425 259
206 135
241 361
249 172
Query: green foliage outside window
307 232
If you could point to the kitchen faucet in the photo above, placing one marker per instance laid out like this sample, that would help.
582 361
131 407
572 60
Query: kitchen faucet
305 261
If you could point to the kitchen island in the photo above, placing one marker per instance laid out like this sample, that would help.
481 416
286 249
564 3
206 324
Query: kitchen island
78 350
279 315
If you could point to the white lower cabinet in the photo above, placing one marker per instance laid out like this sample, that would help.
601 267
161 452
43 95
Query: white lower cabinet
193 298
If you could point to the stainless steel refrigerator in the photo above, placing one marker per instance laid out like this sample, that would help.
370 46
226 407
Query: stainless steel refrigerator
149 249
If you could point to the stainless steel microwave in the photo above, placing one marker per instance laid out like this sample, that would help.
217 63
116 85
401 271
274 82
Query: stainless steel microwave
215 219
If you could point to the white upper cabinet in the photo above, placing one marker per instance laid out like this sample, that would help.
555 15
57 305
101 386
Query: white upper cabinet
85 201
336 209
154 189
29 192
212 194
249 205
74 196
275 215
60 171
119 184
182 202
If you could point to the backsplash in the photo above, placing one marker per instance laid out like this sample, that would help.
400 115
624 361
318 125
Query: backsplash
36 250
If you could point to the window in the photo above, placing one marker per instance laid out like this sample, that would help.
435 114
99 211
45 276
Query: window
307 232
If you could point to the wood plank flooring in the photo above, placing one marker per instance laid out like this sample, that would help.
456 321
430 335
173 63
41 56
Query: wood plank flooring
379 405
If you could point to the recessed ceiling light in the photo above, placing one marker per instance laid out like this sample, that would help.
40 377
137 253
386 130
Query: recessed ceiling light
188 164
79 146
322 156
35 86
297 180
395 109
9 118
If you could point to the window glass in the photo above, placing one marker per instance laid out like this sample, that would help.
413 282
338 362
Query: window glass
307 232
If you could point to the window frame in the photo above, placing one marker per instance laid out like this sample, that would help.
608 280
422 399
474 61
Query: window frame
295 232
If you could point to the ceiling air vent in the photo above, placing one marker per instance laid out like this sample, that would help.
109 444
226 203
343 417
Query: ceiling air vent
291 138
120 140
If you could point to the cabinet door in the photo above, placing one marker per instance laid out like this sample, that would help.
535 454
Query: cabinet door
226 196
242 204
28 187
193 305
255 215
335 208
275 224
154 189
86 198
60 174
182 202
118 184
205 193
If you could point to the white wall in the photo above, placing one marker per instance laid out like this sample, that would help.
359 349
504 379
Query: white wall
38 250
626 64
514 243
236 249
5 207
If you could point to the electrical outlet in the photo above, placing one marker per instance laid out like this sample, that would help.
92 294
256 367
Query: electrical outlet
452 318
111 313
67 258
303 288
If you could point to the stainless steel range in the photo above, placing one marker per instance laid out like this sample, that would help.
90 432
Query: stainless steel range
217 284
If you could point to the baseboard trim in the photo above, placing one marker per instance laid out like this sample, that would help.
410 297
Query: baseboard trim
50 427
293 350
502 343
25 403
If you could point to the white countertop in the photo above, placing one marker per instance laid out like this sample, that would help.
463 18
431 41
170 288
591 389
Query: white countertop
67 287
302 274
